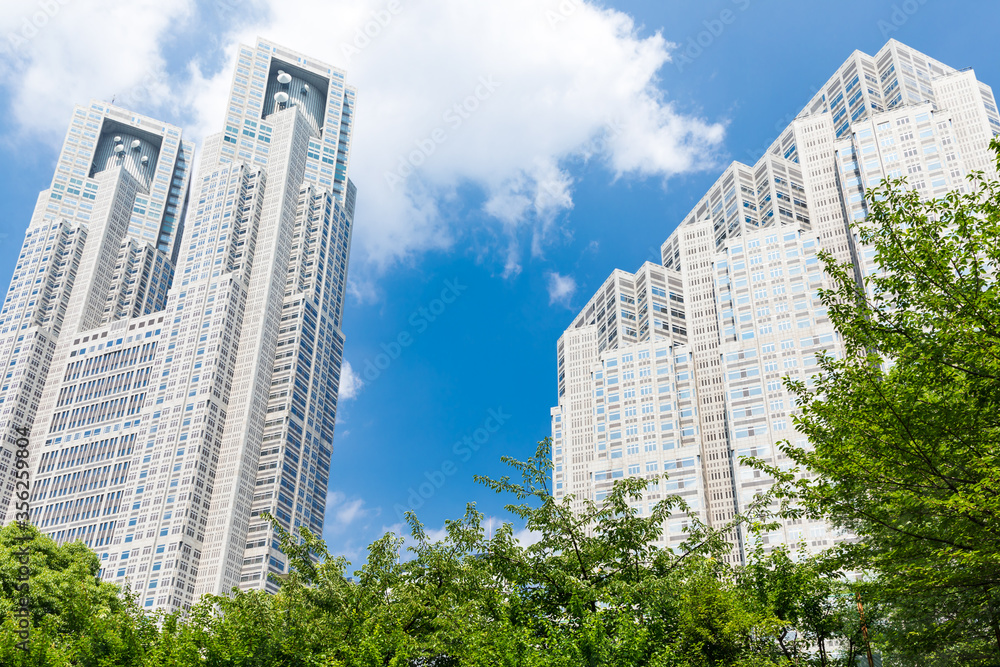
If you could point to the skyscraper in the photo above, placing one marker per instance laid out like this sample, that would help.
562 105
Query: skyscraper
677 368
100 248
167 423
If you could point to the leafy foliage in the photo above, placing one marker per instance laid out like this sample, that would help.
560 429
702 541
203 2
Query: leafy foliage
591 589
75 619
905 430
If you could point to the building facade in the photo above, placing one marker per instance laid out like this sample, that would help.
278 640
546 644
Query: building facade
191 378
741 275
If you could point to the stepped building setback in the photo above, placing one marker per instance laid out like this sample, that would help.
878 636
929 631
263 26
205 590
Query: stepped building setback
177 358
678 367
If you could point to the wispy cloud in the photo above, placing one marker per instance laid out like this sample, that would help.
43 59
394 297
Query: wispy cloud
57 54
350 383
561 288
349 526
580 87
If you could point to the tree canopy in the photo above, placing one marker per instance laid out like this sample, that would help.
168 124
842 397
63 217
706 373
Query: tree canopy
591 589
904 430
75 619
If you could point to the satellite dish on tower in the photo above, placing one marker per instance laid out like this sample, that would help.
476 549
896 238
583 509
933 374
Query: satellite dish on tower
281 98
119 148
136 143
284 77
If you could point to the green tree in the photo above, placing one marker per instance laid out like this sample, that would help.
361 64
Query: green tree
905 429
74 618
320 616
814 603
593 589
600 588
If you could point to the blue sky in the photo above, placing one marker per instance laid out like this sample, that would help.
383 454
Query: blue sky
604 126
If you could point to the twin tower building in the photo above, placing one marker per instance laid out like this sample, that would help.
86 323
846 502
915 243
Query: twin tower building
677 368
175 348
175 352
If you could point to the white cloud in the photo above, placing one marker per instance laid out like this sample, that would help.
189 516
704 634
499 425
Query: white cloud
519 90
342 512
561 288
436 534
348 526
526 537
57 53
350 382
349 511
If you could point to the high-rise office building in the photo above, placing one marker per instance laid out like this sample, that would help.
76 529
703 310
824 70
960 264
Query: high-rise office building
678 368
100 248
191 383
